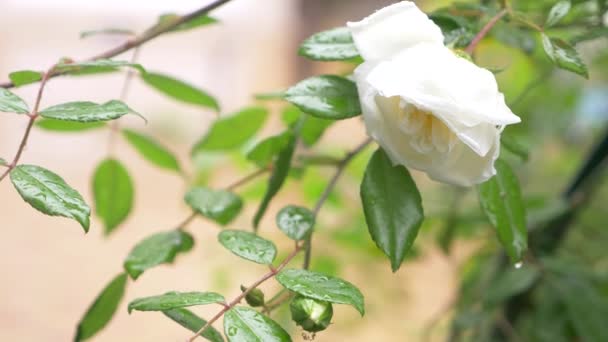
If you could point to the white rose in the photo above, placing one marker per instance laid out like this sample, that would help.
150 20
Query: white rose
428 108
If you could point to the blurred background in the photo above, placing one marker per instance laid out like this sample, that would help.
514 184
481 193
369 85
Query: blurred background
52 271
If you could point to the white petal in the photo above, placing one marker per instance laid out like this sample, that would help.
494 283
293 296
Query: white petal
392 29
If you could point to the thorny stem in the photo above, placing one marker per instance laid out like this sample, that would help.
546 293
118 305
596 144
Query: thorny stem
144 37
484 31
273 272
32 118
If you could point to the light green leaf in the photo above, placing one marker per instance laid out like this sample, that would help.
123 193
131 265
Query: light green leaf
266 150
48 193
218 205
277 178
85 111
157 249
106 31
180 90
515 146
174 300
152 150
296 222
248 246
322 287
192 322
3 162
232 131
557 12
113 192
332 45
11 103
564 56
327 97
501 201
392 206
23 77
243 324
100 313
67 126
510 283
168 18
313 129
98 65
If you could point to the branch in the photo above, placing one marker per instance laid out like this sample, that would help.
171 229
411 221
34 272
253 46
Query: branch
484 31
144 37
237 300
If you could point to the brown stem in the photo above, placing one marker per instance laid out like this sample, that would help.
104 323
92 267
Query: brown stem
484 31
246 179
240 297
144 37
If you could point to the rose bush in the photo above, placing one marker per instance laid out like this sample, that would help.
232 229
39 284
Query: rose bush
428 108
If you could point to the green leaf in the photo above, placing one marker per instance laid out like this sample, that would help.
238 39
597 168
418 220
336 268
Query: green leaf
296 222
232 131
277 178
564 56
174 300
392 206
510 283
515 146
192 322
218 205
201 20
152 150
3 162
248 246
11 103
85 111
243 324
106 31
100 313
322 287
113 192
265 151
48 193
501 201
67 126
160 248
327 97
557 12
332 45
98 65
180 90
313 128
23 77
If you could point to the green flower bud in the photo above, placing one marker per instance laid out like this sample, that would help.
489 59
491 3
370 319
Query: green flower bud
311 314
254 298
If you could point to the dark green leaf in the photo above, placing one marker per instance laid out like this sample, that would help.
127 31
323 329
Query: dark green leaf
266 150
243 324
67 126
107 31
48 193
85 111
157 249
24 77
501 201
113 193
88 67
277 178
180 90
218 205
510 283
248 246
296 222
322 287
557 12
564 56
168 18
152 150
392 206
332 45
174 300
103 308
327 97
192 322
592 34
232 131
12 103
515 146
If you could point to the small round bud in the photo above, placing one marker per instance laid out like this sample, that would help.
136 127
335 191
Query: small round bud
311 314
254 297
